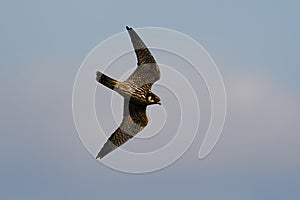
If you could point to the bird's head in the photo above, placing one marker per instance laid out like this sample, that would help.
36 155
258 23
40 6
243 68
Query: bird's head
153 99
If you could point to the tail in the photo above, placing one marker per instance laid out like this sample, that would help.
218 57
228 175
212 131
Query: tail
105 80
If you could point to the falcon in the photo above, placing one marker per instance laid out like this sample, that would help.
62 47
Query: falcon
136 91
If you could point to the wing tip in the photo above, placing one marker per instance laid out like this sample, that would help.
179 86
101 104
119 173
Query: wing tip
128 28
99 156
107 148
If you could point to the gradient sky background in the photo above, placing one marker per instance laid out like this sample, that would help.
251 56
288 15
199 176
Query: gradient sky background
256 47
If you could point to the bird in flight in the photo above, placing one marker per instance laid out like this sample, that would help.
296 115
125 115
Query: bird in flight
136 90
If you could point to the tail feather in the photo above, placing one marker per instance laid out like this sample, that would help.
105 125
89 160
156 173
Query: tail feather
105 80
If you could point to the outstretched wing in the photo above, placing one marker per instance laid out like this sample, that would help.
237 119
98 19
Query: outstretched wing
134 120
147 71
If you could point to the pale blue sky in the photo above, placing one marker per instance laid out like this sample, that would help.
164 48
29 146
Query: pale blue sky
256 46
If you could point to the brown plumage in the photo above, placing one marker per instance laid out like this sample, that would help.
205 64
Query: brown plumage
137 94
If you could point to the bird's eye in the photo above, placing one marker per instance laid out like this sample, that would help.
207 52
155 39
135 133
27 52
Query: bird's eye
150 99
